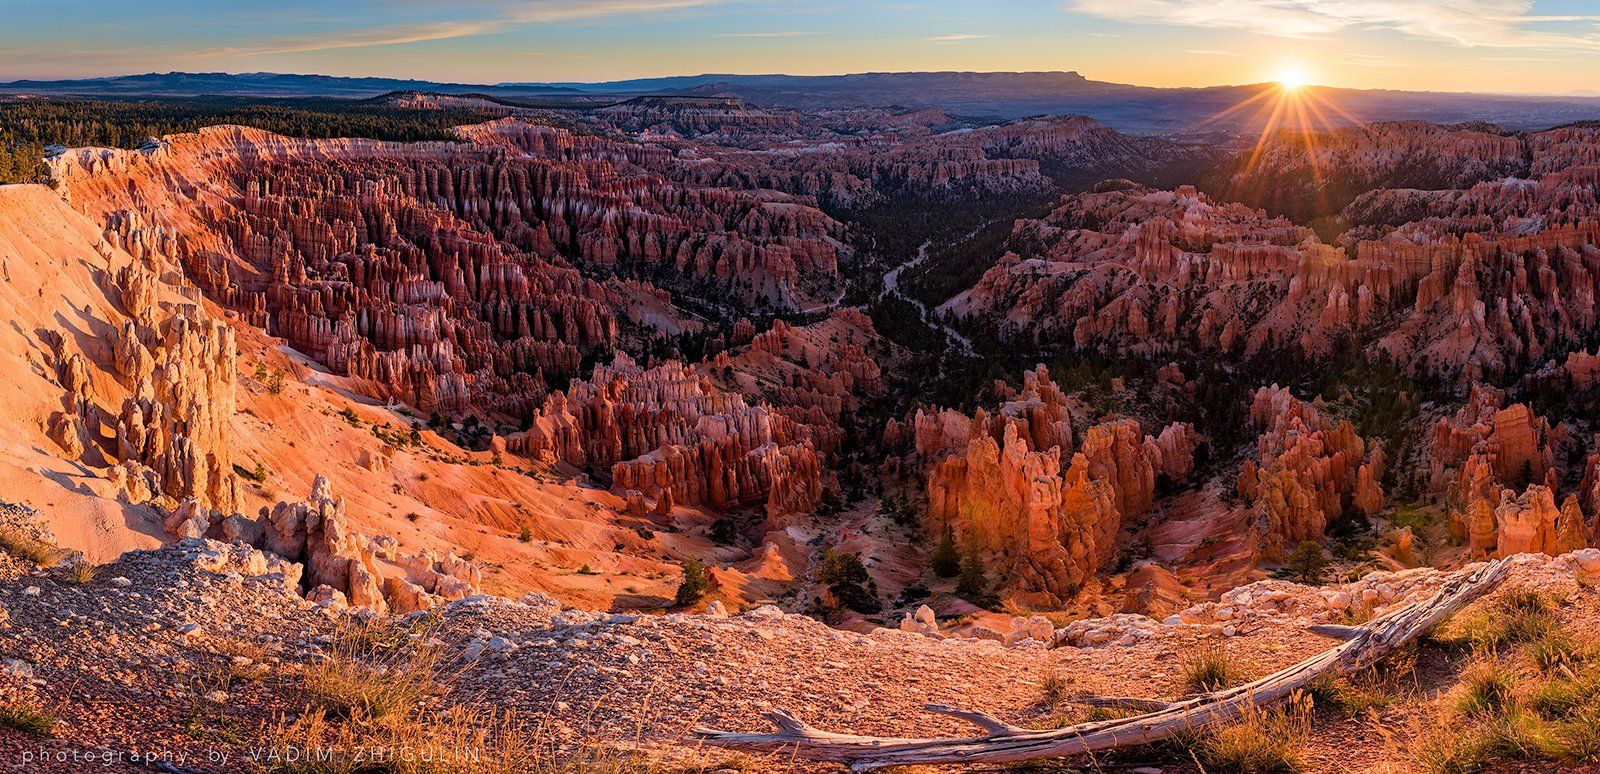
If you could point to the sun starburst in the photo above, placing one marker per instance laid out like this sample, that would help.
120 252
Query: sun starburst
1291 112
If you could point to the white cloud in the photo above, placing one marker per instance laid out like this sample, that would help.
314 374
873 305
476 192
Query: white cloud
1489 23
956 38
1211 52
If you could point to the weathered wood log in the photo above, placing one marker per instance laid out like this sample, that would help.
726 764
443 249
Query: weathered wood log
1121 703
1335 631
1373 641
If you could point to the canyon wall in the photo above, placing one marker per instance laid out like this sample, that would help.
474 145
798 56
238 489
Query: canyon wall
1159 273
449 275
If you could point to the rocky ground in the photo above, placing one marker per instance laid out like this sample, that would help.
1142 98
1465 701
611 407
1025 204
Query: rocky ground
195 656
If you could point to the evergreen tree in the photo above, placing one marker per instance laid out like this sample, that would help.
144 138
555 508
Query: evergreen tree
696 582
847 579
945 559
1307 562
973 583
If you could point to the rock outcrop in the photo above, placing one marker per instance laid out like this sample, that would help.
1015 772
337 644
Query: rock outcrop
1000 481
671 432
1159 273
338 563
1478 458
1308 470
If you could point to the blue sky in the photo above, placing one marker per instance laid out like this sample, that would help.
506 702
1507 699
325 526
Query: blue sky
1480 45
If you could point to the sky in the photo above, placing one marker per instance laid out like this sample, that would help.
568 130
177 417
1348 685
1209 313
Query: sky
1534 46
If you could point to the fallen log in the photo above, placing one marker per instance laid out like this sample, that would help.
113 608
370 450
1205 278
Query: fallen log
1121 703
1366 645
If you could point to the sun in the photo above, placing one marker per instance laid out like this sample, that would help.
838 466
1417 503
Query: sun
1291 78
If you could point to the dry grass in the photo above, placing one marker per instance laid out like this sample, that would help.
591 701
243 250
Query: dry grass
1053 689
371 672
457 740
1262 742
1530 694
1521 616
27 717
1209 670
1382 685
24 546
81 572
372 708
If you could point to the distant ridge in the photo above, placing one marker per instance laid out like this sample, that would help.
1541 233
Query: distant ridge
177 84
1005 95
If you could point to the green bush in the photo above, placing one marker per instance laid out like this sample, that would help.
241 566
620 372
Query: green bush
972 583
697 581
1307 563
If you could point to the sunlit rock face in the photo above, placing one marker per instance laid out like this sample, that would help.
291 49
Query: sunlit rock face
1014 484
1494 467
1307 471
1304 178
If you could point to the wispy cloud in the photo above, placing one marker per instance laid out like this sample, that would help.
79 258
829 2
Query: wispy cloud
956 38
495 17
1211 52
1487 23
1358 59
778 34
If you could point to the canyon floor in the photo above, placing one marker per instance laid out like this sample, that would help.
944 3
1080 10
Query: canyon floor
555 435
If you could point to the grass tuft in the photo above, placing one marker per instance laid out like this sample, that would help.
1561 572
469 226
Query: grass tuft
1053 689
24 546
1209 670
368 673
1262 742
27 717
1487 686
81 572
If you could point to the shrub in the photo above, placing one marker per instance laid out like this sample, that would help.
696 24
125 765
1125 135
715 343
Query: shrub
697 581
916 592
1307 563
525 533
724 531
